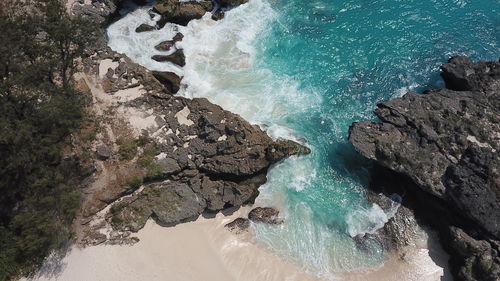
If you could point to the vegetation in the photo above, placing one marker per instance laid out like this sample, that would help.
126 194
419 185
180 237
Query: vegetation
39 109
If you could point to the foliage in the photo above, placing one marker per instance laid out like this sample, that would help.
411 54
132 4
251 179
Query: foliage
39 109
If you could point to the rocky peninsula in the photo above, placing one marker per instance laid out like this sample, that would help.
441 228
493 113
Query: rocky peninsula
158 155
442 148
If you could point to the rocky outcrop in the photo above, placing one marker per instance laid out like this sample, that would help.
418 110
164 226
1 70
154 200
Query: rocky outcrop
265 215
446 141
181 12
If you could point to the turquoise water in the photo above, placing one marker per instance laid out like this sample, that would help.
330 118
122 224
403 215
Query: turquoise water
308 69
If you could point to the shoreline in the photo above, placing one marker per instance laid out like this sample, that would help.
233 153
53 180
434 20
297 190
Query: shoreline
205 250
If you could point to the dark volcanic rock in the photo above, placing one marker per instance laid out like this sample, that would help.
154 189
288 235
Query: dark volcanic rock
238 226
265 215
170 80
461 74
447 142
177 58
181 12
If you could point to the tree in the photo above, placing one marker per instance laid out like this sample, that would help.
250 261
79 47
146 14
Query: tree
39 110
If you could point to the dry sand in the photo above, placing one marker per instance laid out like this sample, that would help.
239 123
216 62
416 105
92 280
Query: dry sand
205 250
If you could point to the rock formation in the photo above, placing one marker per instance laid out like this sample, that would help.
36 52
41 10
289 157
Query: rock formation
447 141
161 156
265 214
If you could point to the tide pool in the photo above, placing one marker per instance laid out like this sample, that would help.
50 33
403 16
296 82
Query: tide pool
307 70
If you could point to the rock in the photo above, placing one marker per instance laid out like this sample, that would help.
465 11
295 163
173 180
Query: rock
170 80
446 142
238 226
181 12
103 152
177 58
231 3
218 15
461 74
144 27
473 185
284 148
178 37
166 45
265 215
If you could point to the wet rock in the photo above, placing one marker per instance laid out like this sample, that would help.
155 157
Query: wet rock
144 27
103 152
284 148
177 58
166 45
265 215
218 15
238 225
170 80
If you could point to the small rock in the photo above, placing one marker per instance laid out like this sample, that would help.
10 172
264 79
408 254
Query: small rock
238 226
265 215
165 45
218 15
144 27
231 3
103 152
177 58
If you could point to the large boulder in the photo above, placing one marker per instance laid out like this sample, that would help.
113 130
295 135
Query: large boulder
170 80
265 215
238 226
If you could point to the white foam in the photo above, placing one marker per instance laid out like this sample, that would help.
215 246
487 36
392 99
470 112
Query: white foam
368 220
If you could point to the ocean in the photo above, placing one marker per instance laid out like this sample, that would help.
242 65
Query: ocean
305 70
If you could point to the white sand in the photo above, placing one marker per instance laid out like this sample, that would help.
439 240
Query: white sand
205 250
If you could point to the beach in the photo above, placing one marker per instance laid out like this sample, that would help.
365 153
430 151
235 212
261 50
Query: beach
205 250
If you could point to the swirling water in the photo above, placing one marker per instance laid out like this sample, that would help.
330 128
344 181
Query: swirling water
308 69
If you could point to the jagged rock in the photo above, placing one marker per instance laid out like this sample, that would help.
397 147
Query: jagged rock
283 148
446 141
265 215
181 12
169 79
231 3
103 152
238 226
144 27
461 74
177 58
166 45
473 185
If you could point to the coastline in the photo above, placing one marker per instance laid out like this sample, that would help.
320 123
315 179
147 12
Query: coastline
206 250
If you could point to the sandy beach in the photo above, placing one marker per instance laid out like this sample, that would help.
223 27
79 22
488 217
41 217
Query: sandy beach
205 250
